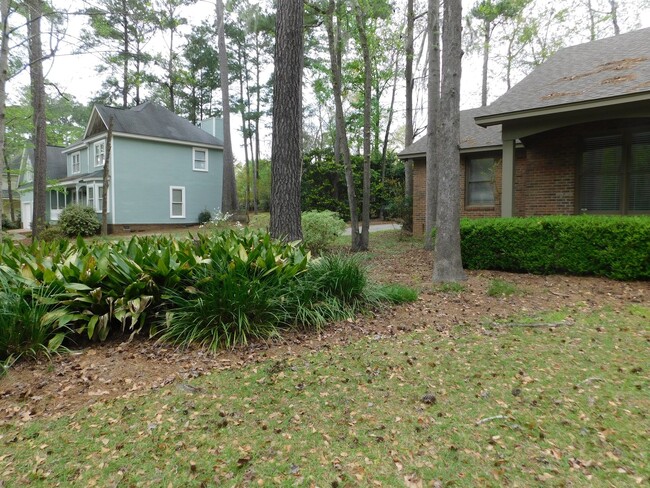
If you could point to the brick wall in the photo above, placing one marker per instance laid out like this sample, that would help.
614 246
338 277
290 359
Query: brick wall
545 176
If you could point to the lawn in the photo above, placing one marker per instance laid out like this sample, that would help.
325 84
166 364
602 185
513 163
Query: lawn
492 404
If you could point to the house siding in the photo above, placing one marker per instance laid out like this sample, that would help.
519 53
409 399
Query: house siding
145 170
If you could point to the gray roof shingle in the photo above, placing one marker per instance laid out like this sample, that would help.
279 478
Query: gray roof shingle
472 136
151 120
605 68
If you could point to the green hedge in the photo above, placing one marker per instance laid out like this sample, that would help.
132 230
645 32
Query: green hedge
615 247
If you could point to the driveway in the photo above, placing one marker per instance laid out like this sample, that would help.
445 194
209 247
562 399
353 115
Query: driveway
376 228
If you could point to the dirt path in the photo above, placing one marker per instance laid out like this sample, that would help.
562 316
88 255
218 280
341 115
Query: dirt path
104 372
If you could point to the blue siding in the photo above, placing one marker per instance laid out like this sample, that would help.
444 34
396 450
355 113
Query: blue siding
144 171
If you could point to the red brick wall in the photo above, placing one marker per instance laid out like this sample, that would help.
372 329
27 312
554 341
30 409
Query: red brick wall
545 173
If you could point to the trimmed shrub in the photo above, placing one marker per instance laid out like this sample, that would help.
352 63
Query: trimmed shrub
205 216
79 220
615 247
320 229
52 234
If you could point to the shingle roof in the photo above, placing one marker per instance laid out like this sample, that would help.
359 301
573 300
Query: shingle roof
472 136
152 120
56 162
605 68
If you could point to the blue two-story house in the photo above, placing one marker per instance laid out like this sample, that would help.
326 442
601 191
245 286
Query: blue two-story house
163 170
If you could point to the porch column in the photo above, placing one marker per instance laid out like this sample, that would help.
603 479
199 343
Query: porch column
508 179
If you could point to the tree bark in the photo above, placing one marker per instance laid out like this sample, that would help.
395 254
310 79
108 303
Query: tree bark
35 9
341 134
105 176
408 75
286 143
229 197
433 119
125 61
614 13
447 264
367 96
408 130
487 26
4 75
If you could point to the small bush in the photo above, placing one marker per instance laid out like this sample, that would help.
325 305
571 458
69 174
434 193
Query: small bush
615 247
9 224
500 288
79 220
320 229
205 216
52 234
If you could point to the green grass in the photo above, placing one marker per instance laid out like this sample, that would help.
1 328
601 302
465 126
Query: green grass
501 288
567 406
450 288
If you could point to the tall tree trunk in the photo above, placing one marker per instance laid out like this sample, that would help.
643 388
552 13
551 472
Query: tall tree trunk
433 120
614 14
10 192
105 176
367 96
391 107
245 135
286 145
35 8
486 59
4 75
447 264
229 197
341 134
408 74
256 162
170 73
125 61
592 21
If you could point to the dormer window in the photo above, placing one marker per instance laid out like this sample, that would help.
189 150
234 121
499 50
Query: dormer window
100 153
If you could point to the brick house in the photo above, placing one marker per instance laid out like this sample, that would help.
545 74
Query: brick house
572 137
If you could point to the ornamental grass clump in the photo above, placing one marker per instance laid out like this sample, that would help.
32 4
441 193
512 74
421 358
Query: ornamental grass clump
22 329
254 287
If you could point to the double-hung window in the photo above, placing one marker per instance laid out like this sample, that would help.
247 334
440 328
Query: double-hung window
614 174
480 182
177 202
100 153
76 163
200 159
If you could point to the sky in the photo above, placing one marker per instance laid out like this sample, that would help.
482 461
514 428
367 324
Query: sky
76 73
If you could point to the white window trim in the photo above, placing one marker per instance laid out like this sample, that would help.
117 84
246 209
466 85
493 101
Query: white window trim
205 150
78 154
99 143
98 200
171 202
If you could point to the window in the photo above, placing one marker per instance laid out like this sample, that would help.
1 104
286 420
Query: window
200 158
177 202
100 152
100 198
76 163
480 182
57 200
614 174
90 198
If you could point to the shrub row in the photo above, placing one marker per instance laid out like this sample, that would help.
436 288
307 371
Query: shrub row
217 290
615 247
